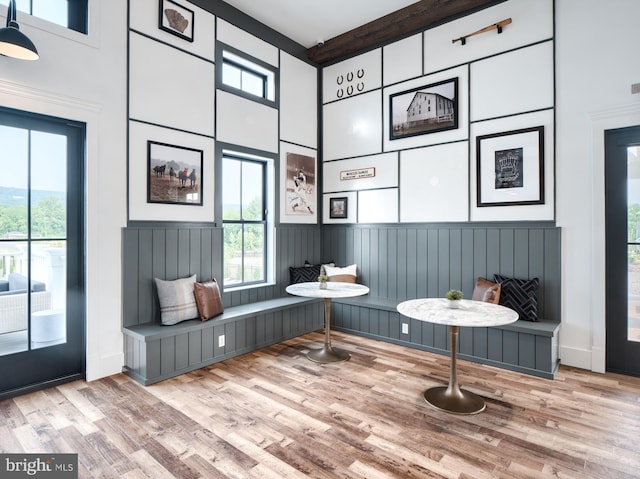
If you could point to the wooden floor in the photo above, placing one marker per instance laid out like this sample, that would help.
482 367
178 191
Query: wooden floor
275 414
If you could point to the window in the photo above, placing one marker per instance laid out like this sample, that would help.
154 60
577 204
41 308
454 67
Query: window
247 76
70 14
247 226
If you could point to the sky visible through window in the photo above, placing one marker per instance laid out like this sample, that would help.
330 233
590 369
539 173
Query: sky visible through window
54 11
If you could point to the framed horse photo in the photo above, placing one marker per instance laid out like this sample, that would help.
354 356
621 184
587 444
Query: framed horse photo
174 174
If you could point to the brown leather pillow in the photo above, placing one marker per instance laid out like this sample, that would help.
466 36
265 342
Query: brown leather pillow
208 299
486 291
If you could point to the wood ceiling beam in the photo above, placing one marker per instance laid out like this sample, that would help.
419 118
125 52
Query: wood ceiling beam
411 19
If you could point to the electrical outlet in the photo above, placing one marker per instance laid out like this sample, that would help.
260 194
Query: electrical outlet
221 341
405 328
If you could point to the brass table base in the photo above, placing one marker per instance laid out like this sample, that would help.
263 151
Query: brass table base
456 402
328 354
451 398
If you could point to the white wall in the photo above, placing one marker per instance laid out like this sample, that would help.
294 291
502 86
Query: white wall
84 78
596 62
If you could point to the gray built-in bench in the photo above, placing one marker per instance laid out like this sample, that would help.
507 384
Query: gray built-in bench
399 263
252 319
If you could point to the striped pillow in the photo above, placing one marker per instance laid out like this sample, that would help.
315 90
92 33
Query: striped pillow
177 301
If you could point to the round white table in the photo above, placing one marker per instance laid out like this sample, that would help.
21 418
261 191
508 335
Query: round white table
469 313
334 289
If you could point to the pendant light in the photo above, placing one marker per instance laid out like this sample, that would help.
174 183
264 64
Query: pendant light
14 43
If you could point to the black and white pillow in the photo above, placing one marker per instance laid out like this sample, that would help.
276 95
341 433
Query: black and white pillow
304 274
521 295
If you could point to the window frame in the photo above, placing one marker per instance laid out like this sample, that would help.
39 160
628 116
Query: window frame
270 86
77 15
268 186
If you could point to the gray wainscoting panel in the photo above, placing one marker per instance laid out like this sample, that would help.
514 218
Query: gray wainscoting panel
407 262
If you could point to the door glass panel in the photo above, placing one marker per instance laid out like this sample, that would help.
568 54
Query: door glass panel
633 238
33 243
48 185
48 293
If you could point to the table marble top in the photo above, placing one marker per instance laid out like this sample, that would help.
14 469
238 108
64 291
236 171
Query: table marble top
470 313
334 289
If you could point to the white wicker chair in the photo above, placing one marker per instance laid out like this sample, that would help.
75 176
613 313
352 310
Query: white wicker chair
13 309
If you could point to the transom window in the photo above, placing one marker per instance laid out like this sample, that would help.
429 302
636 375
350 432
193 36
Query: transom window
70 14
247 231
247 76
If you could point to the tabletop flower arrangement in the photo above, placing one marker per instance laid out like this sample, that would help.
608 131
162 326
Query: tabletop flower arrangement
454 296
322 279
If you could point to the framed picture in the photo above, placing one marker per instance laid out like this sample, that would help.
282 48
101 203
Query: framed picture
176 19
427 109
298 183
174 174
338 207
510 168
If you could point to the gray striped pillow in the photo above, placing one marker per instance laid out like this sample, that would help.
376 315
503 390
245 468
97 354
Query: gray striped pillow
177 301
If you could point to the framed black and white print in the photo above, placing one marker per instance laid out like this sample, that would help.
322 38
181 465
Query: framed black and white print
426 109
174 174
510 168
338 207
176 19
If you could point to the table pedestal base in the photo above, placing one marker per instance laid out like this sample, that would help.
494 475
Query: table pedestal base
456 401
328 355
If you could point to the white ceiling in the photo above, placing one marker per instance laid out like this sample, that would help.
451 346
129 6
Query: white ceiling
309 22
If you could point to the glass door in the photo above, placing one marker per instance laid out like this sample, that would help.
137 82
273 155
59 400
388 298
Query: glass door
622 210
41 251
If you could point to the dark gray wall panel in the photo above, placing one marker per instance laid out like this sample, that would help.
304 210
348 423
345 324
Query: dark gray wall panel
426 261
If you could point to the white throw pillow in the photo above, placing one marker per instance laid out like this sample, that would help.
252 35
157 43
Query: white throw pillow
344 275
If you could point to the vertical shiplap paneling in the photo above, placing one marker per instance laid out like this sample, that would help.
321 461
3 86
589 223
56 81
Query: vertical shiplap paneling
205 269
401 264
480 254
130 275
411 266
421 265
467 266
536 262
493 252
552 269
184 253
146 297
433 263
364 239
171 254
374 272
506 252
521 253
455 260
444 255
383 254
195 247
392 262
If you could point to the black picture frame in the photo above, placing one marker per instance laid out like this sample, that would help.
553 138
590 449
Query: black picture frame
174 174
427 109
176 19
510 168
338 207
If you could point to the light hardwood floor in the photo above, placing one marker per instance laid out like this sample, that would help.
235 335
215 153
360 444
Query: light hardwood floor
275 414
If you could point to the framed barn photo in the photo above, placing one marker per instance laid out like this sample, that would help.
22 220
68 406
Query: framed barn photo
174 174
338 207
426 109
176 19
510 168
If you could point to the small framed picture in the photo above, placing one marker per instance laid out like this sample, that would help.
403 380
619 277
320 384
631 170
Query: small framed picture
176 19
427 109
338 207
510 168
174 174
